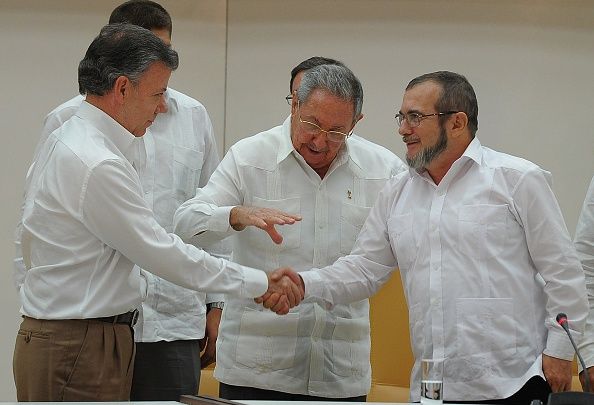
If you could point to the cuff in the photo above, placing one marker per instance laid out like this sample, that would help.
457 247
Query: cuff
558 345
219 220
255 282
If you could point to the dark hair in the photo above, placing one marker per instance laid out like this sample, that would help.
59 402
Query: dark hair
457 94
121 50
339 80
310 63
144 13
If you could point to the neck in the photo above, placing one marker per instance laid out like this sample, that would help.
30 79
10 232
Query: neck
442 164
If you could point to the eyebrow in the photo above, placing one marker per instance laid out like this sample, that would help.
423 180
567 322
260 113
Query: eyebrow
411 111
313 119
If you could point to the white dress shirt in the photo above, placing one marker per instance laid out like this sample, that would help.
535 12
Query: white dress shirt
311 350
178 154
486 263
86 223
584 244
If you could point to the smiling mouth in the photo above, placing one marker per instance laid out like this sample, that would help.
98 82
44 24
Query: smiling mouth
408 140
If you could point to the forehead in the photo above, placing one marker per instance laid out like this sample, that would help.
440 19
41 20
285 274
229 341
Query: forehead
320 99
422 97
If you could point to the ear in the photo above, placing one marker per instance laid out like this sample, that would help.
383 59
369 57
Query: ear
459 123
359 118
294 104
121 88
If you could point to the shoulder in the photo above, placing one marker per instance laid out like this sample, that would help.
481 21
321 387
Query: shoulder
259 150
181 101
62 113
513 168
85 143
371 156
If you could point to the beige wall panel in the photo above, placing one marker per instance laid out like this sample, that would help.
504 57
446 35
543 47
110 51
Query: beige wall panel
529 61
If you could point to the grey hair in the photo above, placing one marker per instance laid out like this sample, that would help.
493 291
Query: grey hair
339 80
121 50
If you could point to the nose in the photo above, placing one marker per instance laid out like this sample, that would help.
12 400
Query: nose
162 106
320 140
404 128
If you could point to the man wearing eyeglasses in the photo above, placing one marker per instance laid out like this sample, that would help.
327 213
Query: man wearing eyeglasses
484 255
311 170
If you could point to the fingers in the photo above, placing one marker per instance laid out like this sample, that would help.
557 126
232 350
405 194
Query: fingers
285 291
207 358
263 218
557 372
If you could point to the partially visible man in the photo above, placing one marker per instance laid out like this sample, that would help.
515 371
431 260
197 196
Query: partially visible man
179 154
584 244
86 223
484 255
312 167
297 72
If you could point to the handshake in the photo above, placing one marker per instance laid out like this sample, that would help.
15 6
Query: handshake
285 290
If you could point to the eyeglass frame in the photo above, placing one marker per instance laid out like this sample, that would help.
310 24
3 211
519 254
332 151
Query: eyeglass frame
289 98
343 135
400 117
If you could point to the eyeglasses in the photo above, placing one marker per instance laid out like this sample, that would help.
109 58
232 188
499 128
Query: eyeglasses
414 119
312 129
289 99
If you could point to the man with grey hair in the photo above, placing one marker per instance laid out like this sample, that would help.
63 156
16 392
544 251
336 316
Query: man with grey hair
484 254
86 223
310 167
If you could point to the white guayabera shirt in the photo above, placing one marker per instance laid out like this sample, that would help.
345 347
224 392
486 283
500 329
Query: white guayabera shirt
486 263
86 223
311 350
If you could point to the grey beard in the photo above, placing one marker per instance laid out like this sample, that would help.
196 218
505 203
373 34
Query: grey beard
427 155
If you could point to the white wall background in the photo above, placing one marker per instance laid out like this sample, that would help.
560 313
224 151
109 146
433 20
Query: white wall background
530 62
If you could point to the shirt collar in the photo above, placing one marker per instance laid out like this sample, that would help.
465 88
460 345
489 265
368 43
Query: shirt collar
474 151
123 140
286 145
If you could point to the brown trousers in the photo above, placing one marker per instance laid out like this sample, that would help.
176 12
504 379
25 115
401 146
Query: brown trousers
73 360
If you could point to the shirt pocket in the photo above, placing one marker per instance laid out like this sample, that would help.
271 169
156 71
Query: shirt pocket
267 341
400 228
352 218
482 230
485 329
171 300
350 346
187 166
291 233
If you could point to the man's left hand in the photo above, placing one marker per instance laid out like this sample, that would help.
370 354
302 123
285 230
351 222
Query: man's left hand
591 379
557 372
209 342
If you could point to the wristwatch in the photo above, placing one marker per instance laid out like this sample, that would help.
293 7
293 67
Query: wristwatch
218 304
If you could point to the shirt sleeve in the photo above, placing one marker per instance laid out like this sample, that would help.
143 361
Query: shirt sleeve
369 265
584 244
113 209
554 257
204 219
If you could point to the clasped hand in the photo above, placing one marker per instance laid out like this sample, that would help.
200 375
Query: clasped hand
285 290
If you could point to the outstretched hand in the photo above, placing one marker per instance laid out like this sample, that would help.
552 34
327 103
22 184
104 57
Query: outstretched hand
285 290
263 218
